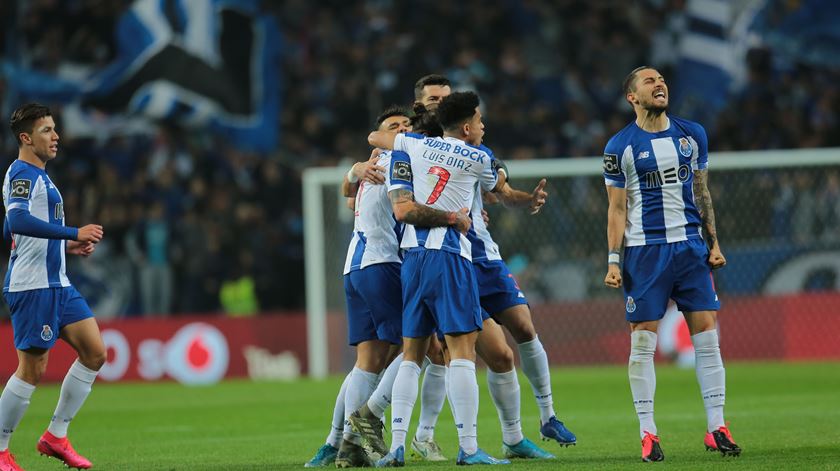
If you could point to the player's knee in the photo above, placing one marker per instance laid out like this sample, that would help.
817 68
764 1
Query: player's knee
501 360
523 331
518 322
94 360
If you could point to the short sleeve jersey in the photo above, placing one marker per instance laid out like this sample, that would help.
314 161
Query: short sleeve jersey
376 233
444 173
34 263
484 248
657 170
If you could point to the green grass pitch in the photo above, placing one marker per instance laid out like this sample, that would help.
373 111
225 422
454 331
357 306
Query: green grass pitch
784 415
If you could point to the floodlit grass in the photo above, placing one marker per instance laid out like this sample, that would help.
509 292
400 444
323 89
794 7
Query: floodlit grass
784 415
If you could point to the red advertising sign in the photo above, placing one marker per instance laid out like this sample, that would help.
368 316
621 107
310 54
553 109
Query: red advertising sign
190 350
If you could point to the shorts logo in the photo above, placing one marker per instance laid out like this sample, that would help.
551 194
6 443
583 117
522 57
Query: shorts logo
631 305
46 333
685 147
643 155
401 171
611 164
21 188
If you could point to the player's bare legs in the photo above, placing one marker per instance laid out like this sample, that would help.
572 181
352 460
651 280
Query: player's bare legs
711 377
85 338
432 396
517 320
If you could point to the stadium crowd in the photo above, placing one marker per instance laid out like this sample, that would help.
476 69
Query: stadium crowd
201 226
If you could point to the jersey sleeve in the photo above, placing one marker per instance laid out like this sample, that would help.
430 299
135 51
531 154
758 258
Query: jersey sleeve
21 186
398 176
408 142
700 158
490 173
613 166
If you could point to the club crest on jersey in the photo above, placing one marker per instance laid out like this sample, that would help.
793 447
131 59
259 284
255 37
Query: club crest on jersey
46 333
685 147
631 305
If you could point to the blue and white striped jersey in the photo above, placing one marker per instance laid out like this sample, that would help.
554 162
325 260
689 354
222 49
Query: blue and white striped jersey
443 173
657 169
483 245
34 263
376 232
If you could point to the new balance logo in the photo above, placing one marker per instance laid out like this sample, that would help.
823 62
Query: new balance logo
398 420
643 155
459 426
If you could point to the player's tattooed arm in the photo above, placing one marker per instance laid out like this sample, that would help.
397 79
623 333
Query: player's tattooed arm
409 211
703 200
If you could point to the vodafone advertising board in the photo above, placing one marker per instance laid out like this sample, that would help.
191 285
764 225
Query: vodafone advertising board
190 350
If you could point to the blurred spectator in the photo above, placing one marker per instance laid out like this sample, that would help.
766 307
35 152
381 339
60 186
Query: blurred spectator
178 204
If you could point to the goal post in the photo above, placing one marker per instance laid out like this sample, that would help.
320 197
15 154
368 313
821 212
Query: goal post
769 207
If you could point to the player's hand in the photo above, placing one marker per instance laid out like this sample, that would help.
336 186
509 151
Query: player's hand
613 278
83 249
716 258
485 216
90 233
369 171
538 197
463 221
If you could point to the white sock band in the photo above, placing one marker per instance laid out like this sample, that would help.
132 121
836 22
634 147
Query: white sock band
504 389
432 395
463 394
13 404
361 384
403 399
535 366
381 397
711 376
643 378
74 391
337 424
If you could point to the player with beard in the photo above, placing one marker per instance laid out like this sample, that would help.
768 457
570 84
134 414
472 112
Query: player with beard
656 172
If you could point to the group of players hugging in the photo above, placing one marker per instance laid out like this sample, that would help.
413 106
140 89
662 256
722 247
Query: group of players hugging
426 286
427 289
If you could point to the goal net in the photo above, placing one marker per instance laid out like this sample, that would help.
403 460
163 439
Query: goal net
778 220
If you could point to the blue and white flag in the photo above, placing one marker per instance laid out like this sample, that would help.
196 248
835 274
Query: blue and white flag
707 63
211 64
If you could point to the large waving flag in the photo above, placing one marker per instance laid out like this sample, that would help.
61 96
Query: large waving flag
210 64
707 62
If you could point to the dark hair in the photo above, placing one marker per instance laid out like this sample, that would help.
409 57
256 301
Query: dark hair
628 85
431 79
393 110
23 118
425 122
456 109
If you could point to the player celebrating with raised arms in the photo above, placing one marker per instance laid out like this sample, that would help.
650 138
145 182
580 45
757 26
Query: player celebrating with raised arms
44 305
439 288
656 171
